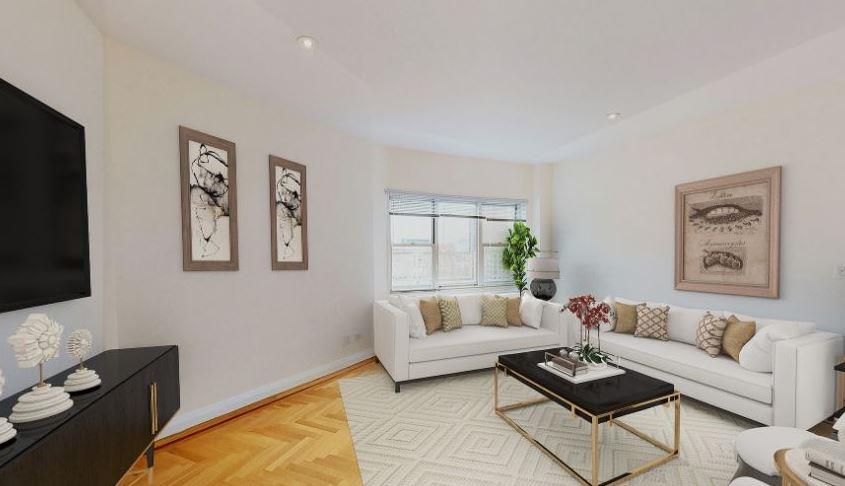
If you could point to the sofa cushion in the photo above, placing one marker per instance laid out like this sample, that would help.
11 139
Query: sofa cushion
651 322
513 311
683 324
494 311
531 311
430 310
450 313
470 305
688 362
737 334
709 334
472 340
626 317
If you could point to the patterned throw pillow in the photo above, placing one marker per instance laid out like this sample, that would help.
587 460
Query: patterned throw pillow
450 313
513 311
709 334
494 311
651 322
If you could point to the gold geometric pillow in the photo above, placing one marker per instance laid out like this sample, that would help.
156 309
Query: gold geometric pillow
709 334
450 313
651 322
494 311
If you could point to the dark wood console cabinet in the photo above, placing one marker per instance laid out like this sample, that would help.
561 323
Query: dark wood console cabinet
97 440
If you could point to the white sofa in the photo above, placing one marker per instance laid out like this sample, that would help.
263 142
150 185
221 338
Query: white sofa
798 392
472 347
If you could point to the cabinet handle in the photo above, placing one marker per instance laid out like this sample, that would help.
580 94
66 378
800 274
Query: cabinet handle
154 408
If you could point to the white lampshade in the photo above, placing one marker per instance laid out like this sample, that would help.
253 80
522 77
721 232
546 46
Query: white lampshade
544 265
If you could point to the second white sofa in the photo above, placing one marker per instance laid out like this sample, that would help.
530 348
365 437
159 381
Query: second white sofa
797 390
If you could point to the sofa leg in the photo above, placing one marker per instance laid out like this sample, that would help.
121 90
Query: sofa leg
395 387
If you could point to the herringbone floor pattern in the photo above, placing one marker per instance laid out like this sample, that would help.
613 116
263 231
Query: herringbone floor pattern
302 439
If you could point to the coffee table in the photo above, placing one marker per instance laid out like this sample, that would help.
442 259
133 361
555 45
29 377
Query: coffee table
598 402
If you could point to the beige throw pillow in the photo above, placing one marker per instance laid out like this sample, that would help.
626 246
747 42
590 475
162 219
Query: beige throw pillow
450 313
737 333
652 322
430 309
626 318
709 334
494 311
513 311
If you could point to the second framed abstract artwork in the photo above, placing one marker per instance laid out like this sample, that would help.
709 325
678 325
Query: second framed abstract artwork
288 215
727 234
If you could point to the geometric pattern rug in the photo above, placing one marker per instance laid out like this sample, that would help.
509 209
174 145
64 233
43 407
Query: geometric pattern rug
443 431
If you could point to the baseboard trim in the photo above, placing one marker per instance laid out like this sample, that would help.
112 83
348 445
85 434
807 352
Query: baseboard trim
187 424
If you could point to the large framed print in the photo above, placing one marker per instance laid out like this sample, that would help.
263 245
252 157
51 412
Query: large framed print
288 215
209 202
727 234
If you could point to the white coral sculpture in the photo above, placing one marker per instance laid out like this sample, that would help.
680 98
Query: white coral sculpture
79 344
36 341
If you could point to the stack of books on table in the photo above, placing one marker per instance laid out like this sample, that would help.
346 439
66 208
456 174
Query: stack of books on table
827 462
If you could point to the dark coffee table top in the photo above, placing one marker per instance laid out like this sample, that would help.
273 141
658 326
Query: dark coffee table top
597 397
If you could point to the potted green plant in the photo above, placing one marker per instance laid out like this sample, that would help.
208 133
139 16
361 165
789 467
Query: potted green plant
521 245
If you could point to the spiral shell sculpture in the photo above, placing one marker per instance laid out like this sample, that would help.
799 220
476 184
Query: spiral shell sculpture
79 343
36 341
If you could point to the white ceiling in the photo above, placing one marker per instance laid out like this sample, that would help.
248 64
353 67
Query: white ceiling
503 79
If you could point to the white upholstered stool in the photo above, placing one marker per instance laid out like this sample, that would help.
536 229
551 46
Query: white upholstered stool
757 447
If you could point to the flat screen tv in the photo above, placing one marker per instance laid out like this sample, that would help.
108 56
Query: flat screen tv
44 223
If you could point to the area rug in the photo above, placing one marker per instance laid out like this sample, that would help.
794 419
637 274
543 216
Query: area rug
444 432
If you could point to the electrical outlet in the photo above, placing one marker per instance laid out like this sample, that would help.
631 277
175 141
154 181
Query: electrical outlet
347 340
358 336
840 271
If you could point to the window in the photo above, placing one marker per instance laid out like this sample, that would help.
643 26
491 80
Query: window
448 241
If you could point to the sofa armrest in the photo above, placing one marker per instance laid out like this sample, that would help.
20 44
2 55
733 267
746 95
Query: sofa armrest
391 339
804 380
553 319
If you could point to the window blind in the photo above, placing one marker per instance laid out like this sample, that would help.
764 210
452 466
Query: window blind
432 205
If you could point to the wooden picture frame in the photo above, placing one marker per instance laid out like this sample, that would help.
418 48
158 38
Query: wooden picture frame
208 174
288 215
727 234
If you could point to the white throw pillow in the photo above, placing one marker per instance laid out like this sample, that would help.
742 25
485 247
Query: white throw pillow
683 324
416 325
470 306
756 355
531 311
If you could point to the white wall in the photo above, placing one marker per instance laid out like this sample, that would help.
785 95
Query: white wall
252 332
614 202
52 51
413 170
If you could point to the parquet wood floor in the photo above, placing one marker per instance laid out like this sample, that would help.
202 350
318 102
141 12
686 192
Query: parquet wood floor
301 439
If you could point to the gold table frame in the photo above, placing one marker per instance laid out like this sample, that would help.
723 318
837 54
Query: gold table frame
672 452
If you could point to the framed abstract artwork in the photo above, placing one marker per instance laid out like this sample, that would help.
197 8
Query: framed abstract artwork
288 215
727 234
209 202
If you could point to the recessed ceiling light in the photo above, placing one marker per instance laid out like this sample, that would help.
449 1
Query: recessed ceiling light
306 42
614 115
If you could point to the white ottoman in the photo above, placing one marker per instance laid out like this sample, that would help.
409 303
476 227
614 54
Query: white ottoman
757 447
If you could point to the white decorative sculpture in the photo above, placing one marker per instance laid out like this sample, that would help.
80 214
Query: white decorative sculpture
6 429
34 343
78 346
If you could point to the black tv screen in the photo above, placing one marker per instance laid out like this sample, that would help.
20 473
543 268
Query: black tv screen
44 227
